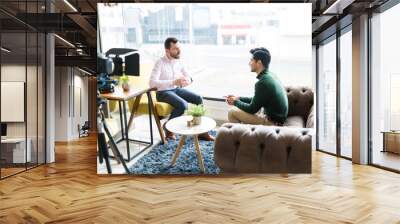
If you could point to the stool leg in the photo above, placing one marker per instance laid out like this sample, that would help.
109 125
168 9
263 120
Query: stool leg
178 149
199 156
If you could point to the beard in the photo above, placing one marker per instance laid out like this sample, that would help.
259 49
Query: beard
176 56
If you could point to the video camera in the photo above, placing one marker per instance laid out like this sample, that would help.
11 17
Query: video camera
116 61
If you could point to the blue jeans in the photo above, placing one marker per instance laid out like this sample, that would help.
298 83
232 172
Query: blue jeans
178 98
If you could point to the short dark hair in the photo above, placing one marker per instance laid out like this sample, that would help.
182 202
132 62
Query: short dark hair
259 49
261 54
169 41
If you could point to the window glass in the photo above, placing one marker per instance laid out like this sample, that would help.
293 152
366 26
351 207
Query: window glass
215 40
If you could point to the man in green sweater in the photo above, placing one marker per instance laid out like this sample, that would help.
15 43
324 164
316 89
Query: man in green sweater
269 105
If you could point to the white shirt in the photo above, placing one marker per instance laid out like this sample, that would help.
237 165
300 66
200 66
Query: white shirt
164 73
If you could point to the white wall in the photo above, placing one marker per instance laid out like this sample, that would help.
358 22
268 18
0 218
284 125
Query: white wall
16 73
80 103
10 73
61 103
71 102
33 127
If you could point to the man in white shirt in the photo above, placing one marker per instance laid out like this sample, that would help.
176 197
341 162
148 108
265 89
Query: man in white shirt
170 77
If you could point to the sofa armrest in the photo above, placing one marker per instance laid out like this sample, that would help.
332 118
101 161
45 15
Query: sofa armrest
310 118
262 149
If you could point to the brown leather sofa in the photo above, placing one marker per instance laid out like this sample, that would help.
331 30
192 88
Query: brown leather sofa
244 148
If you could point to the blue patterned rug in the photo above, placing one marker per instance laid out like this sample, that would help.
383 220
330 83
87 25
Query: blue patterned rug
158 160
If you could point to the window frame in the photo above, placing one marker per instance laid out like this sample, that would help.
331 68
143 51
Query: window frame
333 37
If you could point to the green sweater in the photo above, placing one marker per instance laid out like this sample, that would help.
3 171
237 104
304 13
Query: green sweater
270 94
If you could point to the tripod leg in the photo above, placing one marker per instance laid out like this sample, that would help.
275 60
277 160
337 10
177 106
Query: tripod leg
113 145
114 153
103 151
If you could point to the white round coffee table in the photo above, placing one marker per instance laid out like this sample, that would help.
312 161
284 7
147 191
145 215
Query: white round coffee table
179 126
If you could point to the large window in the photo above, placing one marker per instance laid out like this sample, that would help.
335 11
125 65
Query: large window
327 96
215 40
385 83
346 94
330 67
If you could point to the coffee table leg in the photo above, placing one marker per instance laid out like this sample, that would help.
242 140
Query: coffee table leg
199 156
178 149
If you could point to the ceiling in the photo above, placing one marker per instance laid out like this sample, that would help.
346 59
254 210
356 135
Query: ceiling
73 20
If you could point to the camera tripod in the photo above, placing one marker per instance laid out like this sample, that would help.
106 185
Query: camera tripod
102 143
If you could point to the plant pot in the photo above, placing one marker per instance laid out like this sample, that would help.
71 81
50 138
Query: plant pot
196 120
125 87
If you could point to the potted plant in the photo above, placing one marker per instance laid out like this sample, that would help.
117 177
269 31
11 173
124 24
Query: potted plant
124 80
197 111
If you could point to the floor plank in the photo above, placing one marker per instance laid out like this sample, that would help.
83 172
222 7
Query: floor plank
70 191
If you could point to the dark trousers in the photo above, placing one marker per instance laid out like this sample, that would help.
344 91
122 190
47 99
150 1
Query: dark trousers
178 98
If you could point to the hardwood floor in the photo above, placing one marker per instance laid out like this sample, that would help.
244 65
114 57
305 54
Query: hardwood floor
70 191
10 171
386 159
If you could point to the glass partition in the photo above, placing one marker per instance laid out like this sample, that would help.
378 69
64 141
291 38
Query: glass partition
22 90
13 103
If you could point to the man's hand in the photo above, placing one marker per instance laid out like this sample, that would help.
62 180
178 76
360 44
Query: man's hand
179 81
230 99
182 82
185 82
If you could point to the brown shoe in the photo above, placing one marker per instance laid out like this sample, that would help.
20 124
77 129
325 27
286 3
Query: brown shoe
206 137
169 135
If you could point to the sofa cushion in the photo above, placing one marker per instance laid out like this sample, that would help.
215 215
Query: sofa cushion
163 109
294 121
247 148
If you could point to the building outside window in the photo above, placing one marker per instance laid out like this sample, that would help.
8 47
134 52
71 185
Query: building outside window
215 49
